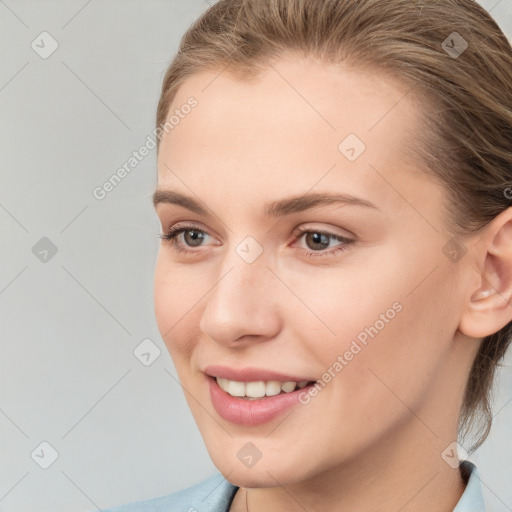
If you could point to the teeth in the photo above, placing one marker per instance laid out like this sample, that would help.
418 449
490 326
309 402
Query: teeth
258 389
288 387
254 389
273 387
236 388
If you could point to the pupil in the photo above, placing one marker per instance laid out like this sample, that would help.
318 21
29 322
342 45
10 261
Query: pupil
320 238
196 237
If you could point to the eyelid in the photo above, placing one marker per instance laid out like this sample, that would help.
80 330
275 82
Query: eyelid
189 225
329 230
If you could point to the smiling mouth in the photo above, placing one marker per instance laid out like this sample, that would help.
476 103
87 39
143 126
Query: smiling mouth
259 389
250 403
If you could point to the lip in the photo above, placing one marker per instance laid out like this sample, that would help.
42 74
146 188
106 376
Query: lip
251 374
249 413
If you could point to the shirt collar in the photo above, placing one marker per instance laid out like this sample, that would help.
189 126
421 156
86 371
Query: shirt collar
472 499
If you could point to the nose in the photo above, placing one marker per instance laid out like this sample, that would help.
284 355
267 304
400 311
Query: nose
242 305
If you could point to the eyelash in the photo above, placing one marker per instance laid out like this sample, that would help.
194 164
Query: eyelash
173 233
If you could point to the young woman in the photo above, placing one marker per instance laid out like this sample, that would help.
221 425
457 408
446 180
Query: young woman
334 283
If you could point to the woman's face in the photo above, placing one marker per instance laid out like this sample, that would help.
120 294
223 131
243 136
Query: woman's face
359 292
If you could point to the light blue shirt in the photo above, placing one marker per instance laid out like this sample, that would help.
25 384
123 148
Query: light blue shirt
216 494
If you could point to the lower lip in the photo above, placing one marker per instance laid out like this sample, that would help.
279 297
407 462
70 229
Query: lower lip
251 412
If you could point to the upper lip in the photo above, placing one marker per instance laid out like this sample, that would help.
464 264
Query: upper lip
251 374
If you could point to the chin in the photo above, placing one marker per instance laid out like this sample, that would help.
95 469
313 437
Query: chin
271 472
253 479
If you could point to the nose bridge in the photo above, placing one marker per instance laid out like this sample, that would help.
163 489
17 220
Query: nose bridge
240 301
244 267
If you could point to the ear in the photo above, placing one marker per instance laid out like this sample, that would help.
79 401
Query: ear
490 305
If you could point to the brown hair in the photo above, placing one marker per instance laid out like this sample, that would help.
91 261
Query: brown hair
466 100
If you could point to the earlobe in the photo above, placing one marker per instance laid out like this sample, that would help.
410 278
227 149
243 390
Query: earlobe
489 308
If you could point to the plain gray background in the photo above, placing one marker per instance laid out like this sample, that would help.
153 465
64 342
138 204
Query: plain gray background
70 324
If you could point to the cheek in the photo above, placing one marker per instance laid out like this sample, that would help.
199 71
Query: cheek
177 295
393 324
403 358
164 299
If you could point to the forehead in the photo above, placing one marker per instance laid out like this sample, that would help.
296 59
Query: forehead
296 120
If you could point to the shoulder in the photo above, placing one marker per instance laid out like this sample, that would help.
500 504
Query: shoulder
211 495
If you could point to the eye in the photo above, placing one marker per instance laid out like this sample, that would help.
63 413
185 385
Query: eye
315 239
191 234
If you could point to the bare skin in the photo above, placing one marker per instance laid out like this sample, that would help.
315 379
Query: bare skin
372 438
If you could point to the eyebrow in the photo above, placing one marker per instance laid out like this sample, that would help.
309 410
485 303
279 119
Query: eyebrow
278 208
